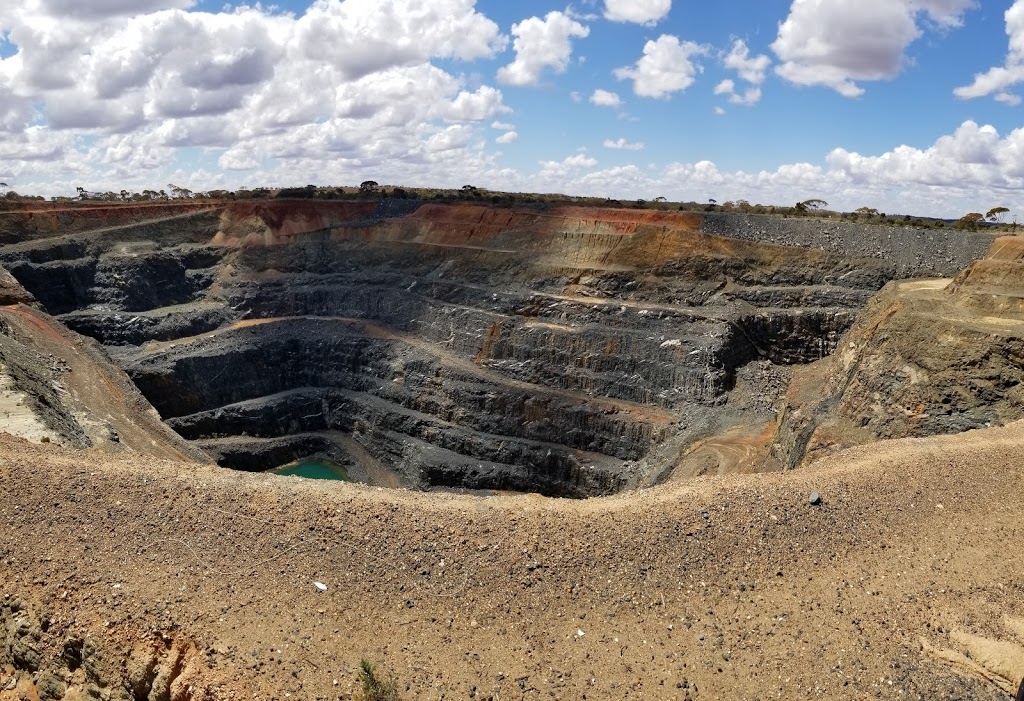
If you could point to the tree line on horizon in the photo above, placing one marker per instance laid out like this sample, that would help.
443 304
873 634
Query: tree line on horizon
370 189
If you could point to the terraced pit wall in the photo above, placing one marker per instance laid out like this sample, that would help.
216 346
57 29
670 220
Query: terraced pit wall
567 351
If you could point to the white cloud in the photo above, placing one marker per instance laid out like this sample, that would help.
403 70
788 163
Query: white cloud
15 110
561 169
111 90
94 9
452 137
623 145
750 69
719 111
835 44
750 96
503 126
998 78
605 98
647 12
973 168
476 106
360 37
973 156
539 44
36 144
666 67
509 137
726 87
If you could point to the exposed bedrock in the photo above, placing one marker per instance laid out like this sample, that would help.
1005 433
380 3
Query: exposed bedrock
927 357
132 267
567 351
912 252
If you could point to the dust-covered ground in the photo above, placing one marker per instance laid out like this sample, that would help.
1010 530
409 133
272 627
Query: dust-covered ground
132 578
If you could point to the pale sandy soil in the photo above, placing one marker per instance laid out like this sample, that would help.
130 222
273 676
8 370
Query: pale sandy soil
16 414
906 582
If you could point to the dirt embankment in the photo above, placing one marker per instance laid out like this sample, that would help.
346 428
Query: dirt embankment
898 585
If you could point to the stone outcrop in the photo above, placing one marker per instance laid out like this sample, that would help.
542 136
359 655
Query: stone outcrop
909 251
926 357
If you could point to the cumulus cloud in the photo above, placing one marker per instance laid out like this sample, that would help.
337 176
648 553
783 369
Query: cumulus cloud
836 44
973 168
110 8
476 106
973 156
750 69
110 88
666 67
571 164
605 98
36 144
647 12
540 44
998 79
623 145
509 137
750 96
15 110
363 36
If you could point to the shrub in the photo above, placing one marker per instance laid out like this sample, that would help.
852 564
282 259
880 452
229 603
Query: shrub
372 688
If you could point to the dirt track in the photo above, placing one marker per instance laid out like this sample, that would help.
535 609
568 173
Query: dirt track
719 588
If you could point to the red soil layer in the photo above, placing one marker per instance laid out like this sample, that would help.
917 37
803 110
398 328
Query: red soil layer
557 236
271 222
570 237
484 220
284 215
573 235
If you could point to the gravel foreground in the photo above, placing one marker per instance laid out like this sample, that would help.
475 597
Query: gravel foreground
125 577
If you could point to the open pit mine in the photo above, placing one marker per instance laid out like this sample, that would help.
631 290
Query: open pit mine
733 385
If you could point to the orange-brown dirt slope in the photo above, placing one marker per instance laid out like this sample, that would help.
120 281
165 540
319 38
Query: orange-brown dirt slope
124 576
73 393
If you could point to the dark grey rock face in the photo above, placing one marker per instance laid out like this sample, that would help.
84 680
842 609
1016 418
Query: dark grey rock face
908 251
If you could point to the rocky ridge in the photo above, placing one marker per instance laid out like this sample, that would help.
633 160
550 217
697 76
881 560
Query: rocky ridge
926 357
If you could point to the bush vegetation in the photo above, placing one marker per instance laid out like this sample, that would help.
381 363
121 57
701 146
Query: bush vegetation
371 687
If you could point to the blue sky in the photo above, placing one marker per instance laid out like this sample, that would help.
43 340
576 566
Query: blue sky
899 105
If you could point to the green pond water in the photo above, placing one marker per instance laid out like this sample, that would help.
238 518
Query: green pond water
314 470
